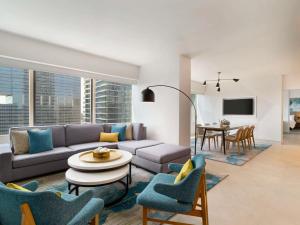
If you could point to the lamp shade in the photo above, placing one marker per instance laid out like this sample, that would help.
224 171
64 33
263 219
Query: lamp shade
235 79
148 95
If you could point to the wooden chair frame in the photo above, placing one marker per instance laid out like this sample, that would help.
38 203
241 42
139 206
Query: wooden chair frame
28 219
237 139
202 212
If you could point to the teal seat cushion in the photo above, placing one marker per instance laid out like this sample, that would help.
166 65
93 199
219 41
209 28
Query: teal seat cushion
121 129
40 140
149 198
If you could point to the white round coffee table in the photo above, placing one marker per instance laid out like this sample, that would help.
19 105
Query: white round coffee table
84 174
75 163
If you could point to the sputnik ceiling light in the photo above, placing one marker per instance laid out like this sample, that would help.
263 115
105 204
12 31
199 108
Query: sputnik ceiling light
218 85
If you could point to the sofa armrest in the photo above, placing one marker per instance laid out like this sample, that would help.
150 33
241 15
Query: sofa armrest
5 162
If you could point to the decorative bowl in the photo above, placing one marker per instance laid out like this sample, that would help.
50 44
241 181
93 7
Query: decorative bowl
101 153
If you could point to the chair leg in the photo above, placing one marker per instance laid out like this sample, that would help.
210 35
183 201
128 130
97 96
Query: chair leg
253 142
238 147
203 197
27 217
215 142
250 143
96 220
145 215
209 144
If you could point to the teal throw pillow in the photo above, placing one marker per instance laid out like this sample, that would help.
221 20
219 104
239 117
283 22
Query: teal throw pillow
40 140
121 129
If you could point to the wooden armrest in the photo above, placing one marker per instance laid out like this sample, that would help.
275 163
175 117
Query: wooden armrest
27 217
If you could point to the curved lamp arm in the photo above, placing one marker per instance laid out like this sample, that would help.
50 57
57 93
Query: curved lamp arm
188 97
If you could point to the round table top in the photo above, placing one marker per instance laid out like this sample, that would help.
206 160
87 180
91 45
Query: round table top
76 163
96 178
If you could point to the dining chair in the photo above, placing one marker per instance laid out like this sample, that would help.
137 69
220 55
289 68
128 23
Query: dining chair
251 135
237 139
246 137
209 136
187 197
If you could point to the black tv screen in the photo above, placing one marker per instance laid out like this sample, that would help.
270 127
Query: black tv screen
243 106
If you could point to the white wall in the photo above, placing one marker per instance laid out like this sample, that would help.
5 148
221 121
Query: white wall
184 103
291 82
266 89
162 117
25 52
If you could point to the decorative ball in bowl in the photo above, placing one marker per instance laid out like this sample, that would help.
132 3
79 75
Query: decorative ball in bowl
101 153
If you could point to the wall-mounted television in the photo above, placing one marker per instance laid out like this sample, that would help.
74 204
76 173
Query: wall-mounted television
239 106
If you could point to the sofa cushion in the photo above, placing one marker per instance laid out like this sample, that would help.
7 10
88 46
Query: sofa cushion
138 131
20 143
92 145
85 133
42 157
129 131
58 133
133 146
121 130
40 140
163 153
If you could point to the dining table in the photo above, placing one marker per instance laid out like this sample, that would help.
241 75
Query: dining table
218 128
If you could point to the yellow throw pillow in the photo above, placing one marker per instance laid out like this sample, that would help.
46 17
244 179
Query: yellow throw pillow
16 187
185 170
109 137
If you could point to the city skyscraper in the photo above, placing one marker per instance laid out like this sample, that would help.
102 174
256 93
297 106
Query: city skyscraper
14 103
112 101
57 99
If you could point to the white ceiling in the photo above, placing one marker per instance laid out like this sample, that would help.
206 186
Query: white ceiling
135 31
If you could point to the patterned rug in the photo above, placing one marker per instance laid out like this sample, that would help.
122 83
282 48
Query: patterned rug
232 156
127 207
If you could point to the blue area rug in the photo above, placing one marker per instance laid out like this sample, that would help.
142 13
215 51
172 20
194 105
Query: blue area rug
232 157
111 192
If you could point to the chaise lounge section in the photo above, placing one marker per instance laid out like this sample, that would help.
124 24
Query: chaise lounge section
70 139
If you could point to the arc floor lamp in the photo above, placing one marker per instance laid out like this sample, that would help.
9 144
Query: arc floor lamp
149 96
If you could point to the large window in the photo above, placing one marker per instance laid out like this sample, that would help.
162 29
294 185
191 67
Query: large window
29 98
57 99
112 102
14 104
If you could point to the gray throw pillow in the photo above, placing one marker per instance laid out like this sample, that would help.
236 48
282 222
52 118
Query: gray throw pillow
129 134
20 142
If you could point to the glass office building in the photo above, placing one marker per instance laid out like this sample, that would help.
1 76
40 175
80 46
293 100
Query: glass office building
112 102
57 99
14 103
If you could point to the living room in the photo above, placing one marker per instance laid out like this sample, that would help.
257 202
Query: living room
97 124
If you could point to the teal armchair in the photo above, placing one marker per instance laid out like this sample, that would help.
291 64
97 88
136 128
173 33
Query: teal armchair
47 207
181 198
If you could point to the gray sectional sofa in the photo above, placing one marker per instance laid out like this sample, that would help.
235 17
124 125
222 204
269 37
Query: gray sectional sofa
70 139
